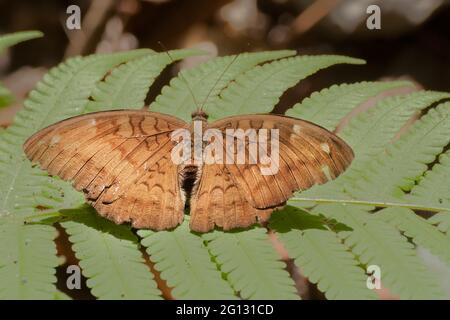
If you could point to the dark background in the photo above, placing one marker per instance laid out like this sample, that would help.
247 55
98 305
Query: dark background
413 43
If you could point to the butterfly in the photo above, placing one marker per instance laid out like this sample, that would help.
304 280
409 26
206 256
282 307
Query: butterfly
122 161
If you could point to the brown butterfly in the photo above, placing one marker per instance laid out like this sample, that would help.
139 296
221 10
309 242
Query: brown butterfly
122 162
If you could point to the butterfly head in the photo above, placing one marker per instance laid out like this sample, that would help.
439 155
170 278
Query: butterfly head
199 115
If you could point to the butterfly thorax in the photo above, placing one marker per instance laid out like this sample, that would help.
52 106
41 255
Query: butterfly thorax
198 126
199 115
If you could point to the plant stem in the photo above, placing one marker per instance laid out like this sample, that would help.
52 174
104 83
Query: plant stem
372 203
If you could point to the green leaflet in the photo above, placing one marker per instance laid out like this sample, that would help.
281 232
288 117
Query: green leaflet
206 82
328 106
376 242
420 230
27 260
6 97
321 255
442 220
184 262
109 258
259 89
251 264
430 189
12 39
126 87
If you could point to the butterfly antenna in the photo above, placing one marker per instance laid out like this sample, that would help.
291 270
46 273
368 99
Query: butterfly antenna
180 73
217 81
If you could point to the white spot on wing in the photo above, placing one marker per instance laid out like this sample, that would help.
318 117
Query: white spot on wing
93 122
325 147
326 170
297 128
55 139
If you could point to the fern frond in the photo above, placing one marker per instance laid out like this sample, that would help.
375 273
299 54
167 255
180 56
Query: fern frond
184 262
259 89
375 242
6 97
420 230
12 39
320 255
207 78
251 264
442 221
430 189
27 260
127 85
110 258
328 106
332 244
389 175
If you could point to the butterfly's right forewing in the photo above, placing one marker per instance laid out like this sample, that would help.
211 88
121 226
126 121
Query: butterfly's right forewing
308 155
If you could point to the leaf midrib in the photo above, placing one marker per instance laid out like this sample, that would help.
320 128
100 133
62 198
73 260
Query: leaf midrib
371 203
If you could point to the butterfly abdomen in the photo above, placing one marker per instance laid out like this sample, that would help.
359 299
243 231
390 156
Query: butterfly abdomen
189 176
